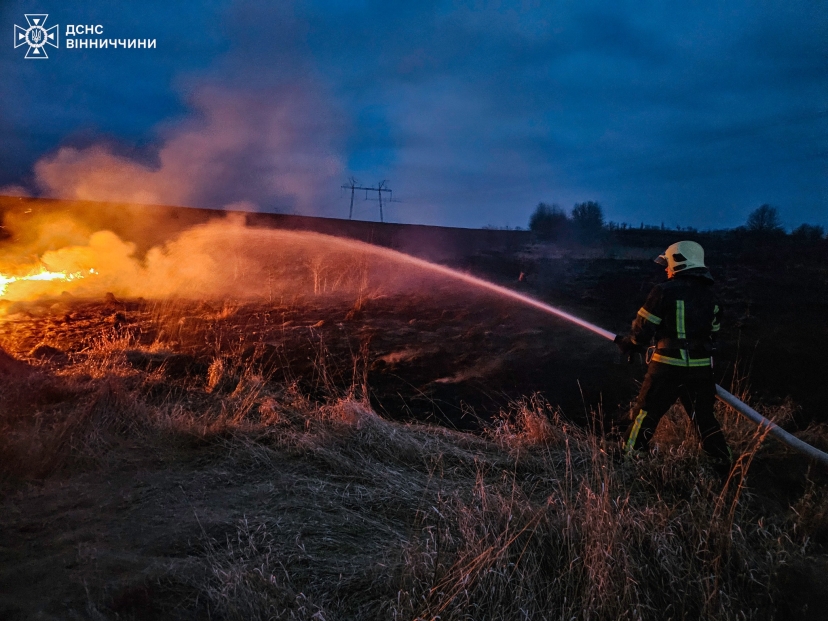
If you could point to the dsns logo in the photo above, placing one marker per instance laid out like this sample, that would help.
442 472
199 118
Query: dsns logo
36 36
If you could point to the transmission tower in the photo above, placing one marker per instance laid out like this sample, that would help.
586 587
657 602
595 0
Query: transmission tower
352 185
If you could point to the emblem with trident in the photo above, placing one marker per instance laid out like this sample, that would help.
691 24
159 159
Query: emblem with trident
36 36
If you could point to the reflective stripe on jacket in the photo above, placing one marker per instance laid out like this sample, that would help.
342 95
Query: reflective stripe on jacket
683 316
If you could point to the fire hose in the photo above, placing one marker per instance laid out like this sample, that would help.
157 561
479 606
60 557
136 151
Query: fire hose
748 412
773 429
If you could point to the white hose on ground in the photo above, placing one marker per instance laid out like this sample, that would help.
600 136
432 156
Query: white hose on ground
773 429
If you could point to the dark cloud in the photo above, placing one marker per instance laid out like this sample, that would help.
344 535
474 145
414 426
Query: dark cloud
474 111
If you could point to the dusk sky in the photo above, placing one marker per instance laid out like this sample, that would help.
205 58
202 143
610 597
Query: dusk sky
687 113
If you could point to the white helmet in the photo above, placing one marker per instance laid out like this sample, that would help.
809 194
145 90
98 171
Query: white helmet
683 255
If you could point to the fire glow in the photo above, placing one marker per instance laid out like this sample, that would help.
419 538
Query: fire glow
44 276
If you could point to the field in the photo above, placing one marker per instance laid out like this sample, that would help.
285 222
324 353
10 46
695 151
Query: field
386 449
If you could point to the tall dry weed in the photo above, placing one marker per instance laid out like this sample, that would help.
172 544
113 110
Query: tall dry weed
536 519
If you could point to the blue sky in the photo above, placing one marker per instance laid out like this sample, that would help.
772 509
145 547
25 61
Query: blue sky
687 113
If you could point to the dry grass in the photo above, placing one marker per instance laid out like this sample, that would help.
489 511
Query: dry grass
299 508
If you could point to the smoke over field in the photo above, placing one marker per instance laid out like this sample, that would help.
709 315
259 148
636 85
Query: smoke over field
216 260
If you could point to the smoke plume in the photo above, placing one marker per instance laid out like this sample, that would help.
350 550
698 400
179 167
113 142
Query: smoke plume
276 148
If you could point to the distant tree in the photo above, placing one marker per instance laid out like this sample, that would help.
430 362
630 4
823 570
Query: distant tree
548 221
588 215
588 220
808 232
764 219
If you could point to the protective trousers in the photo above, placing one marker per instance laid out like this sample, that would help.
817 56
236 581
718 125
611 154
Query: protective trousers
696 389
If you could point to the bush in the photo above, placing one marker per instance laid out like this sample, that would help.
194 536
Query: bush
808 232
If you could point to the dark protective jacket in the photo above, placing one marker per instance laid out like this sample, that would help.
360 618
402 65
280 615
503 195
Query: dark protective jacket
682 316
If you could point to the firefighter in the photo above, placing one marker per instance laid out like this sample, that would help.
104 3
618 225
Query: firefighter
681 318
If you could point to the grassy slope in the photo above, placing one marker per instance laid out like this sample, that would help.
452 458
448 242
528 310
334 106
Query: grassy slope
130 493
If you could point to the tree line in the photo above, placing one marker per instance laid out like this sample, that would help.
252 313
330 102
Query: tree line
585 223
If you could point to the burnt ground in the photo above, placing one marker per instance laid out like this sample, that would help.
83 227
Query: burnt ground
446 357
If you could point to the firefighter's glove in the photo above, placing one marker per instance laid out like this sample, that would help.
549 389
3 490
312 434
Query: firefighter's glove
626 345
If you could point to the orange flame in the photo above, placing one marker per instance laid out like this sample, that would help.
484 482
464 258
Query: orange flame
42 275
